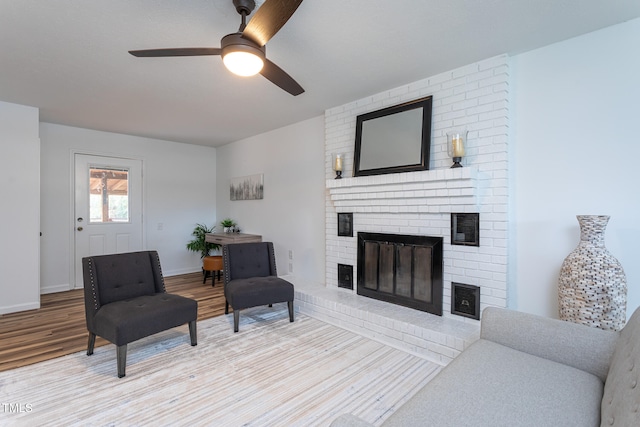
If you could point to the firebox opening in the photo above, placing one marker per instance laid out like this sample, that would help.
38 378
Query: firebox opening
401 269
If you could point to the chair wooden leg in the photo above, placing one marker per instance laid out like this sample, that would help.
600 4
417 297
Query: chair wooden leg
193 332
290 305
91 343
206 274
122 359
226 307
236 320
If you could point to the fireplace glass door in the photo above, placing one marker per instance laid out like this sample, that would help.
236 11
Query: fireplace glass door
404 270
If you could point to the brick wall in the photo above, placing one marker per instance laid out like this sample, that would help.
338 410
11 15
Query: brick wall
474 96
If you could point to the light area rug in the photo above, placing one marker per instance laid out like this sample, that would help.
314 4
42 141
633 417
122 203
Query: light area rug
271 373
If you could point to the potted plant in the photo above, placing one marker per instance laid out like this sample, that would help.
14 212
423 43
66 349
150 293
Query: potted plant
199 244
227 225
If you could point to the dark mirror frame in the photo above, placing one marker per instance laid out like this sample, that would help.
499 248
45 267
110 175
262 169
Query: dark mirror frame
425 143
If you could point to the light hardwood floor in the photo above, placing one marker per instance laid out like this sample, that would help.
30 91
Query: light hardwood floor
58 327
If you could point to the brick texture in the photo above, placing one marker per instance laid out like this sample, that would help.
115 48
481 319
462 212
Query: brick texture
475 96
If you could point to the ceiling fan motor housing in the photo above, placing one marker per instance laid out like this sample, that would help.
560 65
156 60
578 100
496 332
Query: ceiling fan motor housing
236 43
245 6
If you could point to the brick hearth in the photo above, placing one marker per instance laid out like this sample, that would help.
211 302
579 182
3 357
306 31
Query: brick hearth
436 338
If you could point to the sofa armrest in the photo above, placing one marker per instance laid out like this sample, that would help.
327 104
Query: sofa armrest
572 344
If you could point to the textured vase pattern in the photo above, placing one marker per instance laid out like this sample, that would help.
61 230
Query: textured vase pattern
592 289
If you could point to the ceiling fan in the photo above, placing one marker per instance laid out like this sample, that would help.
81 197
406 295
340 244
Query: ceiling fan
243 53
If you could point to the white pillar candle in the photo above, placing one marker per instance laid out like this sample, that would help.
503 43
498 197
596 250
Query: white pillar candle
458 145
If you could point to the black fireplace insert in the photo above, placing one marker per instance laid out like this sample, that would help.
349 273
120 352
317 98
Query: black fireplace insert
401 269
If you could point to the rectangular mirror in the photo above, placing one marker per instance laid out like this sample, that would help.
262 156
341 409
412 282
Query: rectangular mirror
394 139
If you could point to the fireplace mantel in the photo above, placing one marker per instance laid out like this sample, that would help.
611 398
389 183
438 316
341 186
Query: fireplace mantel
423 191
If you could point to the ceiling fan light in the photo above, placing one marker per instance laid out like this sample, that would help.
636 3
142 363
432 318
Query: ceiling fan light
243 63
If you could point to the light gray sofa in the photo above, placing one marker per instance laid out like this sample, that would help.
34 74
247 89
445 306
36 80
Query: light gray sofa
528 370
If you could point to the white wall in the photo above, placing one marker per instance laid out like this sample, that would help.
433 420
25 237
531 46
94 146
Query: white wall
20 212
575 149
179 191
291 215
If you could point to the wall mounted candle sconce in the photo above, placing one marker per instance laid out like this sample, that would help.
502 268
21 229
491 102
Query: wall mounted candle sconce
338 164
456 140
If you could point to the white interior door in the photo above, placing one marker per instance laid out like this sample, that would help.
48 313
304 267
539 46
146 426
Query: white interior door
108 207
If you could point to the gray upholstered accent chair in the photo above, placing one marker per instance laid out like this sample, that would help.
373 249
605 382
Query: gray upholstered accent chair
125 300
251 279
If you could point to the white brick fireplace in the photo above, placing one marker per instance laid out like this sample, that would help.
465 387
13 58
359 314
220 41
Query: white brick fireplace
420 203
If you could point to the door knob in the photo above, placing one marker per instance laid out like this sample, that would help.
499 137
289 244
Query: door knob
80 229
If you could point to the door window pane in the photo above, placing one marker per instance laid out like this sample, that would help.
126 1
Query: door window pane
108 195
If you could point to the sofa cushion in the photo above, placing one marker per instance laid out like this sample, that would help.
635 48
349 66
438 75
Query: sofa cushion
122 322
621 401
587 349
255 291
493 385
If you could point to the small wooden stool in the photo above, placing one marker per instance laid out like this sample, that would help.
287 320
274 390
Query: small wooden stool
211 264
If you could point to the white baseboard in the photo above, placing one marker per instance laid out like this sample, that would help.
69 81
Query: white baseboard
55 289
19 307
169 273
67 287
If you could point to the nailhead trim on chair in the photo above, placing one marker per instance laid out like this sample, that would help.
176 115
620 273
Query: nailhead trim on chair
227 267
160 269
93 285
273 260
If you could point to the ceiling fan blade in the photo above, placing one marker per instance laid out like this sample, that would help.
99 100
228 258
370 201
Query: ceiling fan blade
278 77
268 20
184 51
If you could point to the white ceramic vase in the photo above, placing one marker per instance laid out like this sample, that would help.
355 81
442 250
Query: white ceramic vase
592 288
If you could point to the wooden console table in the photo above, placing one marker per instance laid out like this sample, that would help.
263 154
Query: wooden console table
227 238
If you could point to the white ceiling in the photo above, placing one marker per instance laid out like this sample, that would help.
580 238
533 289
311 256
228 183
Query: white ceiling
69 57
